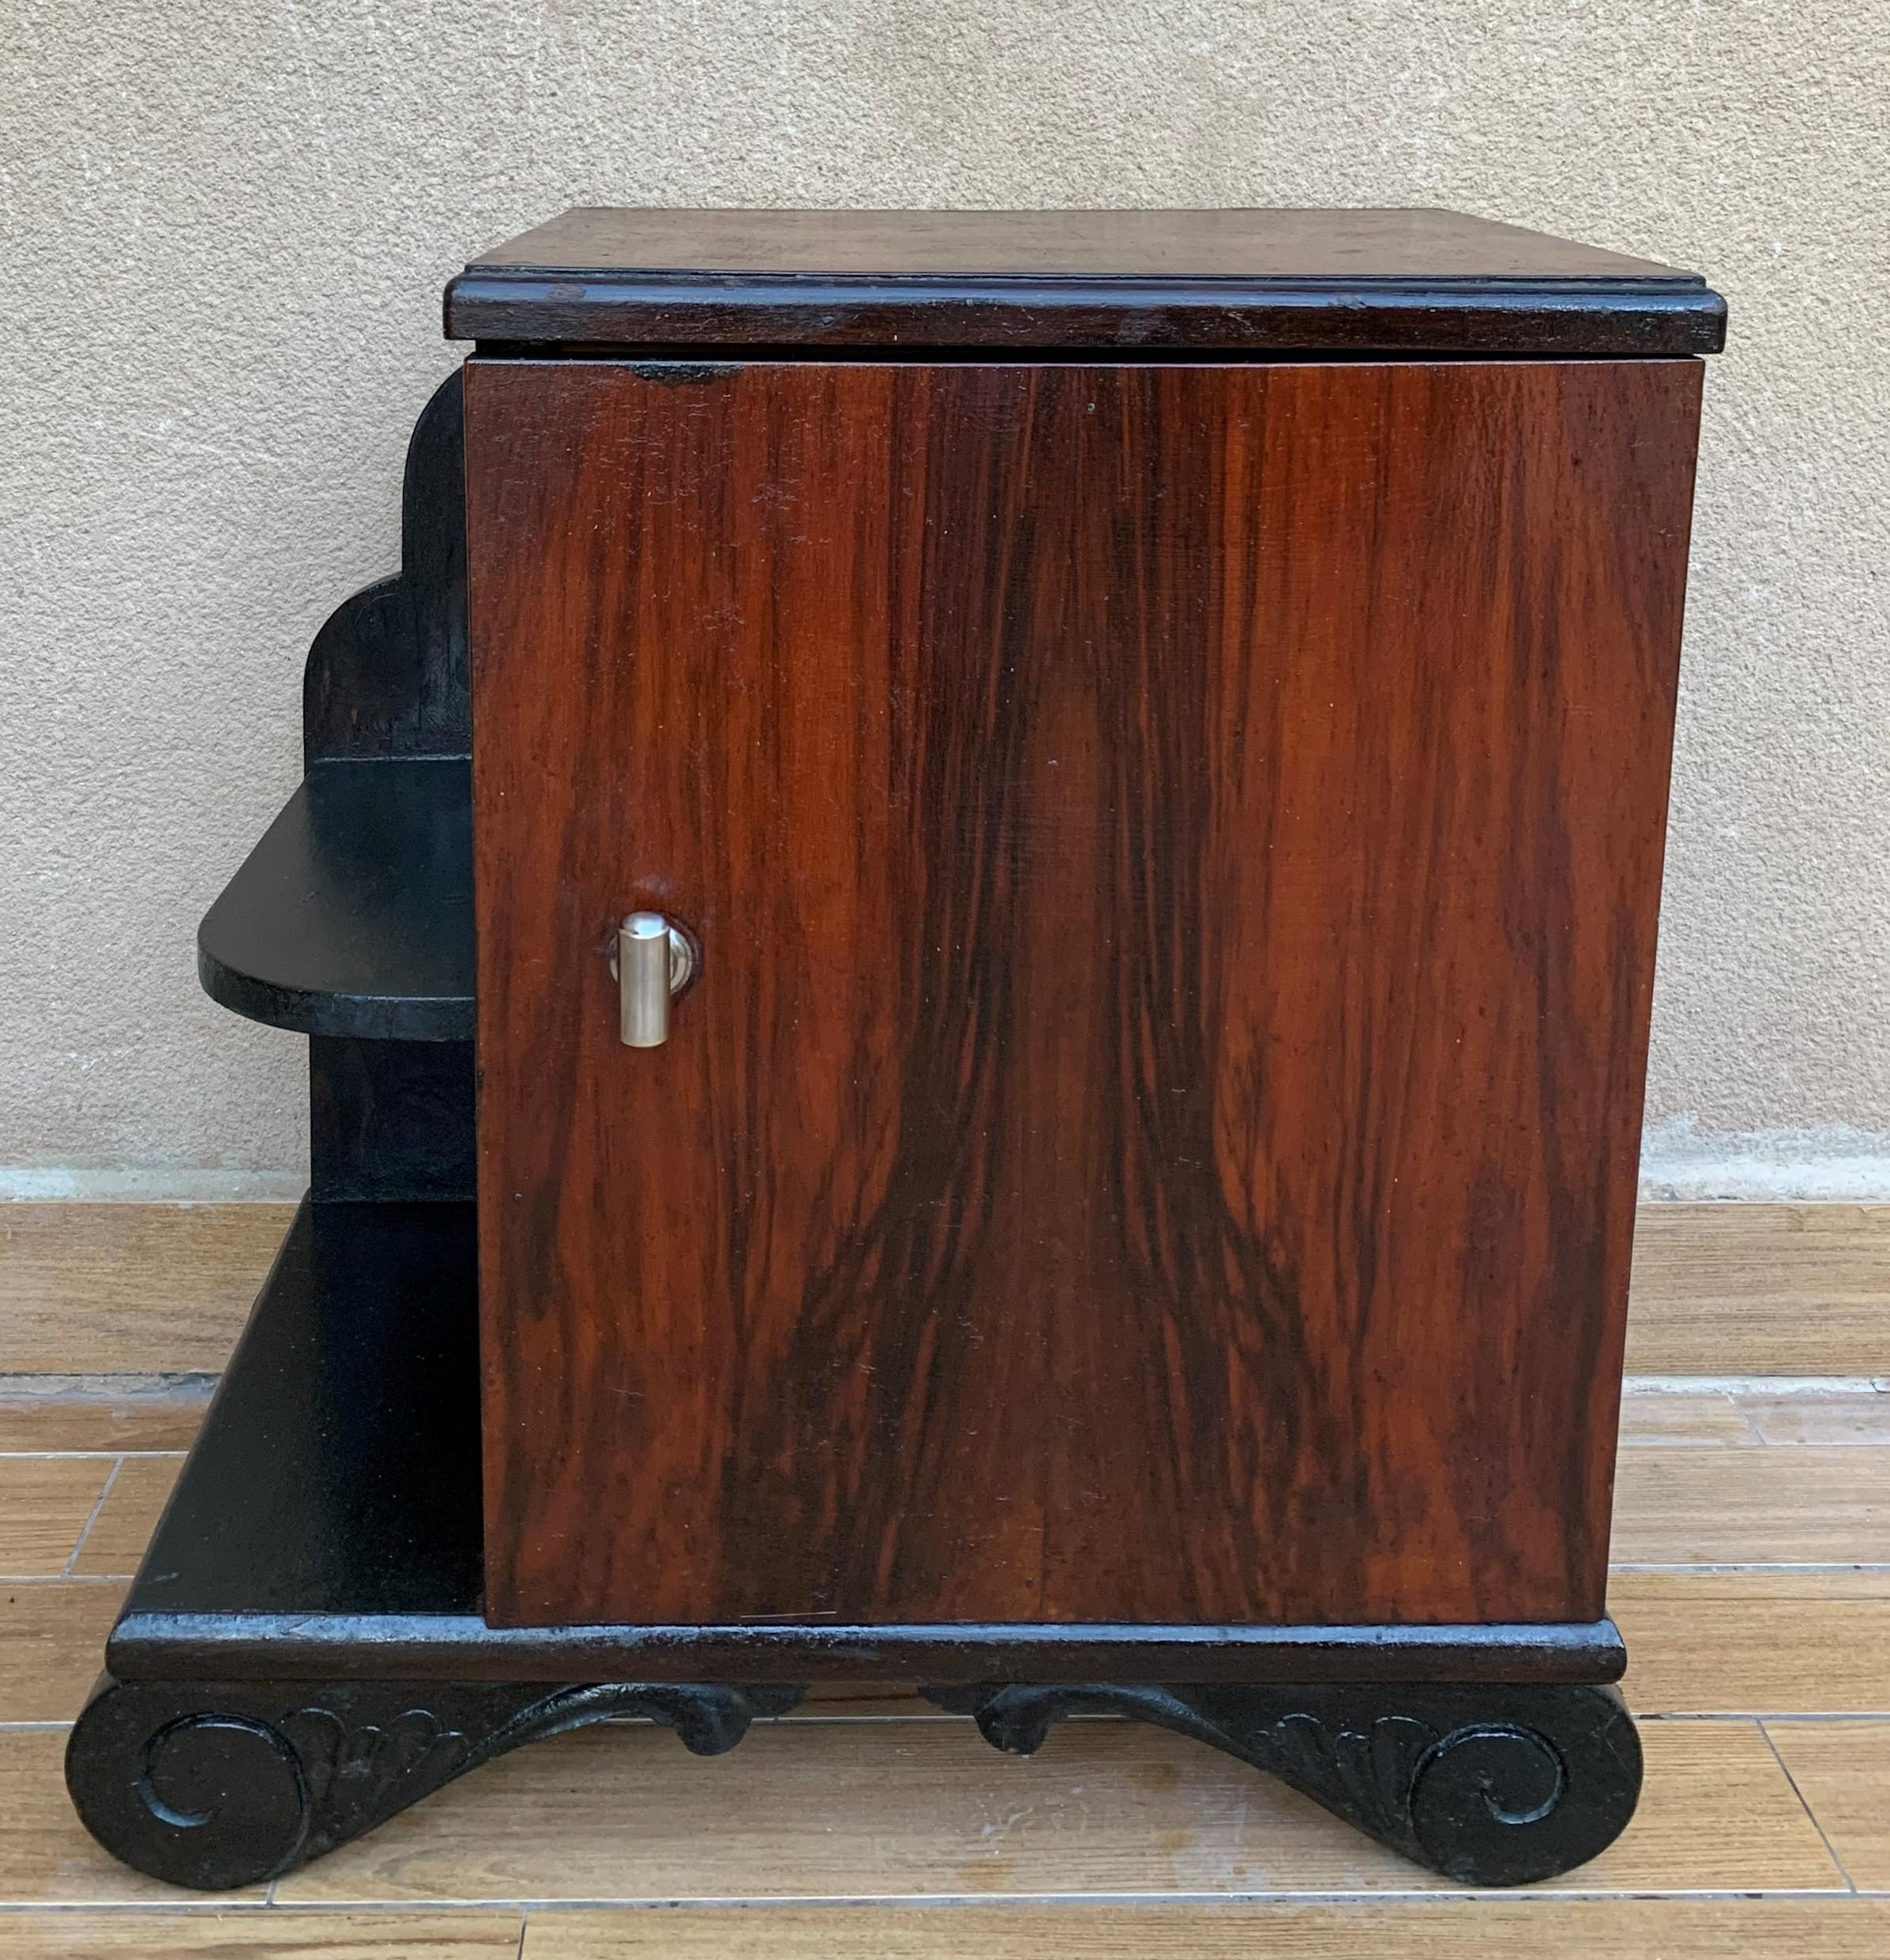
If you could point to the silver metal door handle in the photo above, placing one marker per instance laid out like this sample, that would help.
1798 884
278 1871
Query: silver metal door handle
653 963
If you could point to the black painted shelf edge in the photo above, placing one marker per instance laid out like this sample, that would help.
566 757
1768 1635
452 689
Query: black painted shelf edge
353 915
462 1647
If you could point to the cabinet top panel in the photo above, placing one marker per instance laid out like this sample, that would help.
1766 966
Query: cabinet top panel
1348 281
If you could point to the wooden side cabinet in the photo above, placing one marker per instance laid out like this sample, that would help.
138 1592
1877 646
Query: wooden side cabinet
978 928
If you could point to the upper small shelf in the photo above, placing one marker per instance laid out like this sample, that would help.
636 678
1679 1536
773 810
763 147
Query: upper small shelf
354 914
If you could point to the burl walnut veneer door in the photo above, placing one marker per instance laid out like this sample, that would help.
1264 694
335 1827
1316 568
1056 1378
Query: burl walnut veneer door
1176 852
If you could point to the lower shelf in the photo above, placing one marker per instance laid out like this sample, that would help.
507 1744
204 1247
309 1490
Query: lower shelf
327 1526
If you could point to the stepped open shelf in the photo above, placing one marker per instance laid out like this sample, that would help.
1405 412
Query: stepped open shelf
353 916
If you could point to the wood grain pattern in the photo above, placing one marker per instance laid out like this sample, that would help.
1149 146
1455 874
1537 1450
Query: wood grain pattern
923 1810
1801 1506
114 1546
1799 1643
1674 1417
254 1934
1840 1767
1702 1641
1258 244
52 1637
102 1425
45 1504
1431 1929
1177 852
135 1289
1760 1289
1854 1417
1412 281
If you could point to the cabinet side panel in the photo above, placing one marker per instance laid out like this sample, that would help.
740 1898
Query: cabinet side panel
1176 853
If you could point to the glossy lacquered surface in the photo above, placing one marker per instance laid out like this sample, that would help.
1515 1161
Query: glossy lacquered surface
1175 853
1360 281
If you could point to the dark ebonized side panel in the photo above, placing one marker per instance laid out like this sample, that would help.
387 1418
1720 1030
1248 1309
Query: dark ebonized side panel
387 673
352 918
390 1120
1176 853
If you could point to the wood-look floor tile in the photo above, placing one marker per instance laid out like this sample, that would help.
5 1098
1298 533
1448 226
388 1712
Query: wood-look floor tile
1403 1929
52 1645
115 1544
44 1504
256 1933
101 1422
925 1809
865 1699
1681 1506
47 1856
1667 1416
1842 1771
1796 1419
129 1289
1754 1642
1759 1289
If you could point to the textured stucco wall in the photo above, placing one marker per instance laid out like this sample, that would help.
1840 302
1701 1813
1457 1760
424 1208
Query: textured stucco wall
225 230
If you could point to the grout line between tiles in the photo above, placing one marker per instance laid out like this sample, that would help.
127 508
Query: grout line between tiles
1430 1897
1770 1386
66 1456
90 1519
62 1578
1311 1896
1817 1823
1759 1565
1814 1716
1760 1715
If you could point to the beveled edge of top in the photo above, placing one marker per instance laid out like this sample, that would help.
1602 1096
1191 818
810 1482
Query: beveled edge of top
1357 281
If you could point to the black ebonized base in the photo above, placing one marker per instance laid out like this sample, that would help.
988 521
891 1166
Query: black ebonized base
216 1785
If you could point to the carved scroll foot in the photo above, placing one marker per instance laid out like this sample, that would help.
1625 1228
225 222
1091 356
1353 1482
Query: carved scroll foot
217 1785
1489 1786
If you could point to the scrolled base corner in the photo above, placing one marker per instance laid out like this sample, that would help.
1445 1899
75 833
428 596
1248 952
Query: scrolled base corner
1489 1786
214 1786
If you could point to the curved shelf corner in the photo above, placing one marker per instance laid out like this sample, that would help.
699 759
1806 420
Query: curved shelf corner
353 916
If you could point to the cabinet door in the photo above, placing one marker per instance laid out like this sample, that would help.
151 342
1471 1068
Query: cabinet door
1174 852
